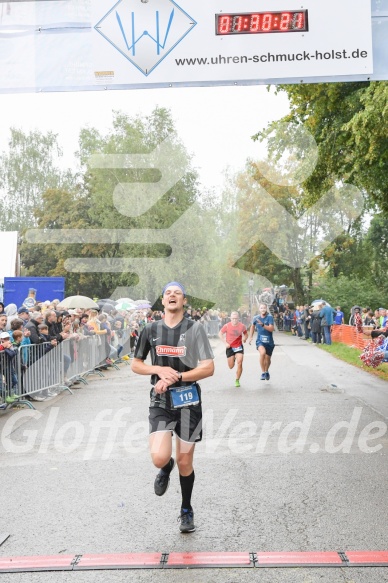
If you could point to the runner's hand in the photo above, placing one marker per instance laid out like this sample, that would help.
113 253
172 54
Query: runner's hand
160 387
168 375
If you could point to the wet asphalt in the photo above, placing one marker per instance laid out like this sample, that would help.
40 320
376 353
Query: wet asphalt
298 463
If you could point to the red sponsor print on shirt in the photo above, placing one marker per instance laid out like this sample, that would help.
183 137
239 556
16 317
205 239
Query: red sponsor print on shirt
173 351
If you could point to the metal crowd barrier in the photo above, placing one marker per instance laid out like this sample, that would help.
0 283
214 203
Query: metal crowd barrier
279 323
212 327
34 372
40 370
127 344
88 355
80 357
85 357
8 379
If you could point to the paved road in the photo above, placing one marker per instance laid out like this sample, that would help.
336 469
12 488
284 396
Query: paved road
275 471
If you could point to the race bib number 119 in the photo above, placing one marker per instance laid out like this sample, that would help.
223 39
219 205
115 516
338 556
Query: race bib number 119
184 396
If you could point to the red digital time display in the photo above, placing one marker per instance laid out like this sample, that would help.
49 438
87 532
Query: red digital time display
262 22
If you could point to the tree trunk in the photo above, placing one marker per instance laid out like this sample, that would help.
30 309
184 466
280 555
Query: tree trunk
309 296
298 285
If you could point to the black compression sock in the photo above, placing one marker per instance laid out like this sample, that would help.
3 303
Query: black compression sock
187 484
168 467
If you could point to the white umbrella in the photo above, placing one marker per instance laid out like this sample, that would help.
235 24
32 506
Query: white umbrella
125 306
73 302
126 300
319 302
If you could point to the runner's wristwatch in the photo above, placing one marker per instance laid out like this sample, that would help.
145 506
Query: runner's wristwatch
179 376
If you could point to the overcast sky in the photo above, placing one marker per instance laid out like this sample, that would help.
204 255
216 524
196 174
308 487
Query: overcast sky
215 123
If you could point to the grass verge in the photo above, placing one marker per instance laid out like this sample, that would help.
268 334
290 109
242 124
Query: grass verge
352 356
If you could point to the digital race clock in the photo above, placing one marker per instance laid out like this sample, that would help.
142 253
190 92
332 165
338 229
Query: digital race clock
262 22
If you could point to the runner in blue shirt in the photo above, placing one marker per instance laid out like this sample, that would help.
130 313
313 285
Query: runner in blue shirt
264 325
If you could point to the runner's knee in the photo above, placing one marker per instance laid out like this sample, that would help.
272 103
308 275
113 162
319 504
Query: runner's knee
160 459
160 448
185 464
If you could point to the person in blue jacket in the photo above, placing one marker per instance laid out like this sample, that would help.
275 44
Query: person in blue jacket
327 318
264 324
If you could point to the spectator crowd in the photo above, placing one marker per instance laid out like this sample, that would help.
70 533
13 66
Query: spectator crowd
44 326
315 322
30 333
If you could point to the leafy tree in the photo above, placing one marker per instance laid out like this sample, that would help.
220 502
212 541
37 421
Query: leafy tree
376 240
347 292
114 206
27 170
368 143
349 123
173 224
256 195
286 235
60 210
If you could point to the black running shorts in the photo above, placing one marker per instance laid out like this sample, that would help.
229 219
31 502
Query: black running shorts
186 422
230 352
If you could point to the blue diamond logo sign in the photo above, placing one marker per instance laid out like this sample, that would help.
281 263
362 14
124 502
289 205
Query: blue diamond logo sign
145 32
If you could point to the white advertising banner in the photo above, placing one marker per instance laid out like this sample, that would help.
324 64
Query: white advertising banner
71 44
184 41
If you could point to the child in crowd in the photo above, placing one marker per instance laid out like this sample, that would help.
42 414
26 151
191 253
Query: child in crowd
7 363
44 335
17 338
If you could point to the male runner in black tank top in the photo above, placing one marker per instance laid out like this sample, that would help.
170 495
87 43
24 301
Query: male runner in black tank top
180 355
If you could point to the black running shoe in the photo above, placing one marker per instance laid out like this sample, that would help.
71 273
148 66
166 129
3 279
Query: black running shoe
187 521
162 481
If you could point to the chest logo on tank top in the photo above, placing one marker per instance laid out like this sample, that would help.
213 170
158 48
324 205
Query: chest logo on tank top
173 351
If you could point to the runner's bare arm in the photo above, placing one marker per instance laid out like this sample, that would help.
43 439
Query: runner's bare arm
245 337
223 338
204 369
251 332
165 373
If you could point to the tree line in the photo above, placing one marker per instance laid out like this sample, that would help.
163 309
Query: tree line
349 126
344 142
